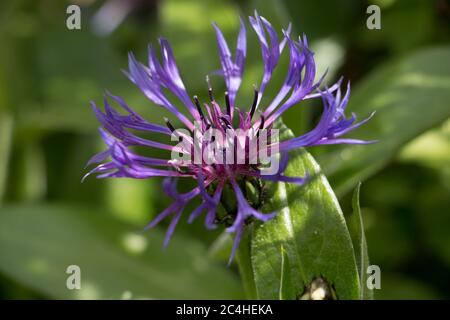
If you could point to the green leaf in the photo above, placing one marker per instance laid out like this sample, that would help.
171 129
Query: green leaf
39 242
243 258
6 133
67 63
287 290
409 96
311 229
437 144
356 229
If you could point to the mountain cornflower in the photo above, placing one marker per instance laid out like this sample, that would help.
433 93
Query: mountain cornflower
218 168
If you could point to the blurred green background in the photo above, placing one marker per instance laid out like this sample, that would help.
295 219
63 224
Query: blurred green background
48 74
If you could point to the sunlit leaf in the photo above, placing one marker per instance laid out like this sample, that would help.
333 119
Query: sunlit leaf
437 144
287 290
311 229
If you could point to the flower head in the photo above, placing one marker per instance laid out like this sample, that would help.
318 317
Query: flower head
220 145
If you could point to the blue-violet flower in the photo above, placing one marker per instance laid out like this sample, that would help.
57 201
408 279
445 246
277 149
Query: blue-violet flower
240 128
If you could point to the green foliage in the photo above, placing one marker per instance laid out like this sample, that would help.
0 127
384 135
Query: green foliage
39 242
308 238
356 228
409 96
6 127
48 75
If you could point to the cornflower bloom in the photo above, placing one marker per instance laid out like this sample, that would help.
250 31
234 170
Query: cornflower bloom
235 129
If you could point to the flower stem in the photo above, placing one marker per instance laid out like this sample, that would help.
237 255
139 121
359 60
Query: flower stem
245 264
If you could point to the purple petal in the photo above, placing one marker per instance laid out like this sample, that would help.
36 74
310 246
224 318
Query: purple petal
232 70
270 52
237 239
304 87
344 141
150 82
172 226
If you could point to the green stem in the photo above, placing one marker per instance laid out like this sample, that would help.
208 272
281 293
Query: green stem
244 262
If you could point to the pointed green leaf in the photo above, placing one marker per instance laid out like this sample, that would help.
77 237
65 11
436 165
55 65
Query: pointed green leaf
245 265
311 229
287 290
356 228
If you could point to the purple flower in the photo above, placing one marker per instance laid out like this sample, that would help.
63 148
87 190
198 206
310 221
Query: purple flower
219 168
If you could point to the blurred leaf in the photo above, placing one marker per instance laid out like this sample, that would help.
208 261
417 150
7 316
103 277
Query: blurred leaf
356 229
7 71
38 243
409 96
431 148
335 16
329 57
29 172
74 68
397 32
132 200
434 218
187 24
220 248
6 129
389 227
398 287
311 229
